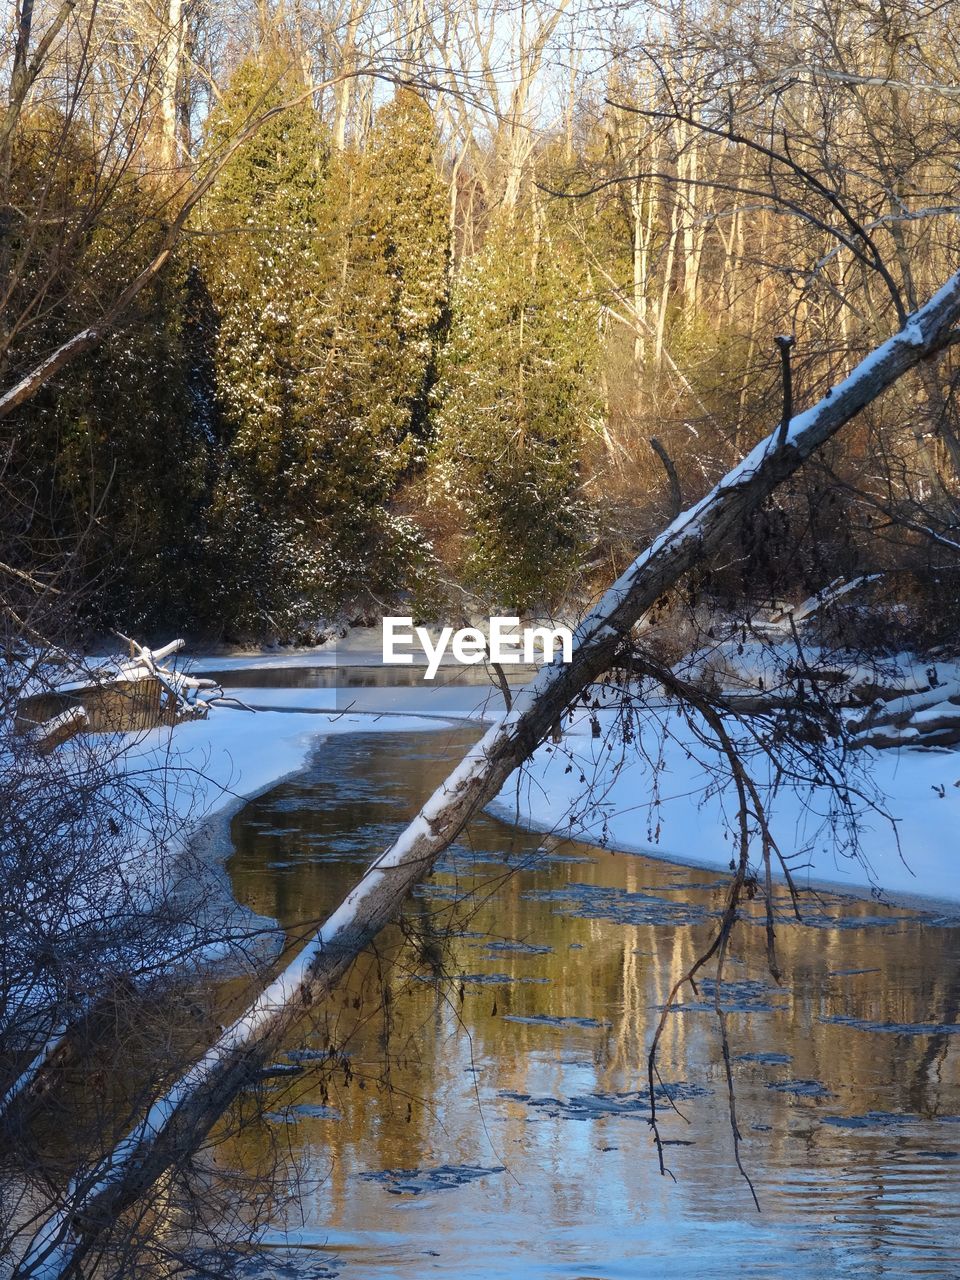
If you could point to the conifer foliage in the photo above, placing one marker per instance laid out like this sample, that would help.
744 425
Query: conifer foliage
262 259
402 356
103 471
327 277
517 408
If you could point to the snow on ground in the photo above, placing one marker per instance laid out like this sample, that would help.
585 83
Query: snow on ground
359 646
585 790
327 655
213 764
197 775
236 754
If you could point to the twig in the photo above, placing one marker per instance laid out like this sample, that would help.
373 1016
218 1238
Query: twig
785 341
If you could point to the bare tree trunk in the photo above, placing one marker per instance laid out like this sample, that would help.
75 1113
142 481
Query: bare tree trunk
171 57
667 279
348 58
178 1122
569 111
530 49
694 227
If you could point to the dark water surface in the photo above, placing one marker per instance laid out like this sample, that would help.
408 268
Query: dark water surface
487 1113
373 675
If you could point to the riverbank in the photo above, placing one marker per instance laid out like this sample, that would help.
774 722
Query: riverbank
207 770
668 797
896 845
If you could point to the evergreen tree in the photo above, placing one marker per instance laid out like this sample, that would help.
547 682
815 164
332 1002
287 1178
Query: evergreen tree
106 465
261 259
388 311
518 404
328 277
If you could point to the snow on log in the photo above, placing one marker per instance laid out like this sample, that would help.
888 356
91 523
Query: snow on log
836 590
899 711
928 718
942 732
59 729
31 1072
177 1122
121 694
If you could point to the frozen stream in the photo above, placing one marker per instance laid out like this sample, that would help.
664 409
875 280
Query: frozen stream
487 1117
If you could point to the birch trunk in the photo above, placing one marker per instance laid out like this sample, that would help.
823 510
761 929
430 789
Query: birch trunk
178 1122
348 61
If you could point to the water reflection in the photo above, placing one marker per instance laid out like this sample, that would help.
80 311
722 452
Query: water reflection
485 1115
372 676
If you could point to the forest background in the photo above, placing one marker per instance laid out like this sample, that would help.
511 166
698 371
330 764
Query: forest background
477 296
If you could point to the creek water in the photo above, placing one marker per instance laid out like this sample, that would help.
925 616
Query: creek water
484 1109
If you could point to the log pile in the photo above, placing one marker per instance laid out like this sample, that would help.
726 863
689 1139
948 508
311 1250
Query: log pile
927 716
136 692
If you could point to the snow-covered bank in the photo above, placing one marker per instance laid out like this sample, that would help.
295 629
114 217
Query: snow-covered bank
362 644
246 753
591 788
210 768
217 764
234 755
163 870
199 773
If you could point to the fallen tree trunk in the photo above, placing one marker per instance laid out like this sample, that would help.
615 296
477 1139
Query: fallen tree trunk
936 725
178 1122
123 695
868 706
900 711
829 595
942 733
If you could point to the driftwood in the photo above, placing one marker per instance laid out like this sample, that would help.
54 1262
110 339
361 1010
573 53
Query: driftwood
928 717
937 724
178 1122
867 715
868 705
867 709
784 615
942 733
